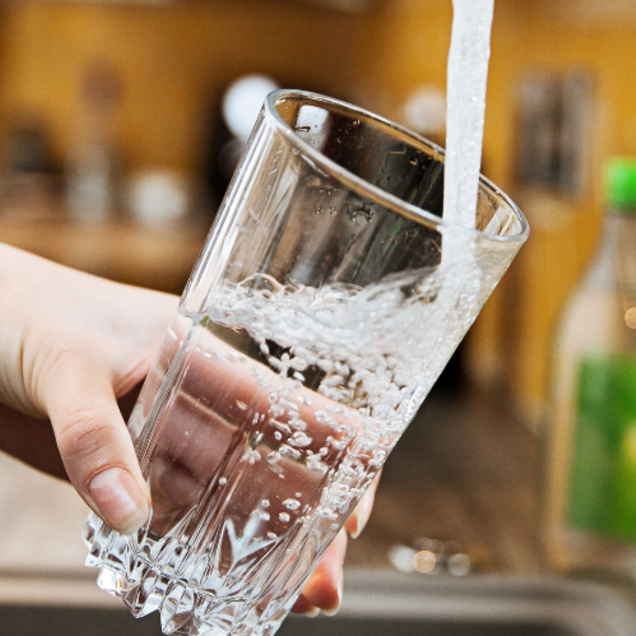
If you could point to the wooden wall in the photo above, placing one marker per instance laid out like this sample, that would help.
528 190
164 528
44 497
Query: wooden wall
174 58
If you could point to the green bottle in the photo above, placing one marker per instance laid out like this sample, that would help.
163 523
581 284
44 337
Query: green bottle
590 467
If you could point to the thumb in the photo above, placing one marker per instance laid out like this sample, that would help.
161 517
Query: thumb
95 445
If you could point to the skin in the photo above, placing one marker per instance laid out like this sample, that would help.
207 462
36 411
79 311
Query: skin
74 350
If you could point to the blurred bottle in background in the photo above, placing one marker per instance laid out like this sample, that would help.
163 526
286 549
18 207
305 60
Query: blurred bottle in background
92 166
590 471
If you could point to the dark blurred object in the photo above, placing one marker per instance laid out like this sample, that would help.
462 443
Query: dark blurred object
350 6
232 121
453 380
555 121
29 182
26 149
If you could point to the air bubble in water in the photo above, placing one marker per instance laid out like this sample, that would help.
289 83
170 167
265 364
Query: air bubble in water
281 426
289 452
300 439
291 504
315 464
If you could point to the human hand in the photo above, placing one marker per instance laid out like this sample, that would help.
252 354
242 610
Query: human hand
72 346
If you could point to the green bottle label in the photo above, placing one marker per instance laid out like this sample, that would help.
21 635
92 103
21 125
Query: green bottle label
603 470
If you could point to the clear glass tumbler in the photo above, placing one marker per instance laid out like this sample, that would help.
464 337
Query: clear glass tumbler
315 322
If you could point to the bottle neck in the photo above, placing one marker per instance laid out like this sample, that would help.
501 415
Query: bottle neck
615 261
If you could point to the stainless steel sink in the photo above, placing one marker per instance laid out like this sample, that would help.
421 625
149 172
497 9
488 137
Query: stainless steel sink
376 603
386 603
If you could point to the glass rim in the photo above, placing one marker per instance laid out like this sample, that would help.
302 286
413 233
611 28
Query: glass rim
271 113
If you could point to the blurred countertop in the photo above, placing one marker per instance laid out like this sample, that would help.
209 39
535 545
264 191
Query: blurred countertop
466 471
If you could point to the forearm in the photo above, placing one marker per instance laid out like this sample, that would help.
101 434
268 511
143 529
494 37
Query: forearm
16 308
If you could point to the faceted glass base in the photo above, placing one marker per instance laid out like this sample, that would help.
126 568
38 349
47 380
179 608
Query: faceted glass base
129 570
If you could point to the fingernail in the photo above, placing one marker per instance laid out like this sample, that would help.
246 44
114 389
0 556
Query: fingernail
119 500
363 513
336 608
313 612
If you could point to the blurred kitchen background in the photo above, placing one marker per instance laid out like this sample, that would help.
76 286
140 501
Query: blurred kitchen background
120 124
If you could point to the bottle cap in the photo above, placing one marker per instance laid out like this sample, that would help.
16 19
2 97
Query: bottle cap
620 180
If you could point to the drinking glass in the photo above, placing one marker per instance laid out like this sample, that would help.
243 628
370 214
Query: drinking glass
315 322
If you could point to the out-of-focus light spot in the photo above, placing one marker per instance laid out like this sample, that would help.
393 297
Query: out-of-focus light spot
401 557
459 564
242 102
424 562
425 110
